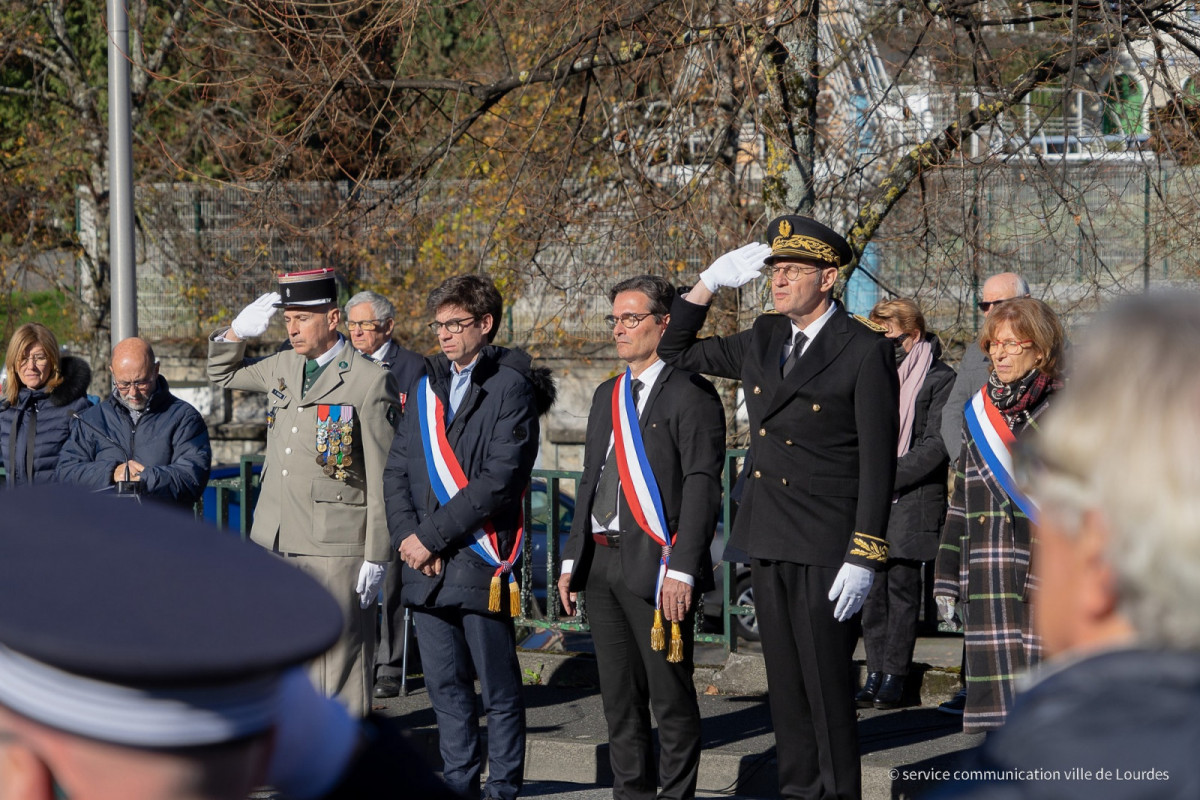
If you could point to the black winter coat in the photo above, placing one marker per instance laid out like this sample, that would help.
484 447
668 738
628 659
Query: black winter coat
48 416
170 440
495 437
917 514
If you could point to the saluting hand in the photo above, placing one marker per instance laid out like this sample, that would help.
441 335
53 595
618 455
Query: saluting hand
254 318
737 267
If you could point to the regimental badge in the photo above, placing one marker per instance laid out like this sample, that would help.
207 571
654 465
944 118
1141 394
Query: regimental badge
271 417
335 435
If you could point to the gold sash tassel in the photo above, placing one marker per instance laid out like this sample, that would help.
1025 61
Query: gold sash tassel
494 595
676 653
514 599
658 637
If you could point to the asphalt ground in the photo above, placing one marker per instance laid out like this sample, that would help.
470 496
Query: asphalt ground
567 750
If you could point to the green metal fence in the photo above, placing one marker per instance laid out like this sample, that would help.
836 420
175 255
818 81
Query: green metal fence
541 522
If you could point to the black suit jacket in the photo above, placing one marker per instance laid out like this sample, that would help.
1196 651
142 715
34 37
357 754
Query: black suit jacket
824 438
683 428
406 365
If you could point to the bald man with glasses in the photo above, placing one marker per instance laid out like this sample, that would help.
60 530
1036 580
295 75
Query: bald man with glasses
143 440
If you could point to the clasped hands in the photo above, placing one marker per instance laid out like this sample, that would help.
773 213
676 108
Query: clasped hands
419 557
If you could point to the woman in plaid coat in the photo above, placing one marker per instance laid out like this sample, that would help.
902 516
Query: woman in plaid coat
983 564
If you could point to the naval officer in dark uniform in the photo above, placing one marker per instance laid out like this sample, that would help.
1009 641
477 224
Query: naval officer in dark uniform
822 396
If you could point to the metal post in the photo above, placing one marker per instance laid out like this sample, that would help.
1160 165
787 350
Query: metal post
1146 234
120 177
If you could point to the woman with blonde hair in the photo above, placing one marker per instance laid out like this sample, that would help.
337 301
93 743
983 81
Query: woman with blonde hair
41 393
984 558
918 503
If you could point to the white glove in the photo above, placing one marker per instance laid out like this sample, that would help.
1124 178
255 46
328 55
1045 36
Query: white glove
370 575
315 738
948 614
737 267
850 589
255 318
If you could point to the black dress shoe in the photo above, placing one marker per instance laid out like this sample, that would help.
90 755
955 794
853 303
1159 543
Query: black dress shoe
890 692
386 686
956 704
866 695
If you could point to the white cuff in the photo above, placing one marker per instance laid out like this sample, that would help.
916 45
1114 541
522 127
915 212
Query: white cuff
568 566
683 577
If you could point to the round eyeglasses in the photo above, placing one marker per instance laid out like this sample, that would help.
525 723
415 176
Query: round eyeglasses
452 325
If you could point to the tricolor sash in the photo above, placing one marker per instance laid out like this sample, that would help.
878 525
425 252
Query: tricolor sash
995 441
447 478
640 490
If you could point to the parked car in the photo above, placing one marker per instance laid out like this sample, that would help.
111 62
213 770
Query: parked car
536 530
743 592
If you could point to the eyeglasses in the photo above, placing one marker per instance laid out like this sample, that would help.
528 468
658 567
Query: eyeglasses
793 271
628 321
986 305
39 360
451 325
125 386
1012 347
366 325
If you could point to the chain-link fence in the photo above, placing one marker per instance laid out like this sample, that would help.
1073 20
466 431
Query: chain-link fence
1079 232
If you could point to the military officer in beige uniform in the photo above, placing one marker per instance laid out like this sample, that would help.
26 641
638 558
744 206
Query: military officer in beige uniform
330 420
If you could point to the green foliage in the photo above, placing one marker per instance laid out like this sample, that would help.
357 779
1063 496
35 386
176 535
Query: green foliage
53 309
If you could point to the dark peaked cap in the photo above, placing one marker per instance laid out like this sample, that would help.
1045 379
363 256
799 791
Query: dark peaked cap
144 595
792 236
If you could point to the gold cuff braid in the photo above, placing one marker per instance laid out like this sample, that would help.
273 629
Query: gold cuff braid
869 547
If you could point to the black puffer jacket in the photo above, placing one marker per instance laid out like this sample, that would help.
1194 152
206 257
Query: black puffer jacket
32 431
494 436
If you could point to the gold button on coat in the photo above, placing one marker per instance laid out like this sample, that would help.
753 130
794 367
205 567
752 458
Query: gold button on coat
757 390
784 481
757 474
762 431
816 406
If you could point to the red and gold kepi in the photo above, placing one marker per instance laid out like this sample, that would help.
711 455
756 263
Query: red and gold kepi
314 287
796 237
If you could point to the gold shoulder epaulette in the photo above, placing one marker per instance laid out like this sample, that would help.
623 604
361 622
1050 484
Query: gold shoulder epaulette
875 326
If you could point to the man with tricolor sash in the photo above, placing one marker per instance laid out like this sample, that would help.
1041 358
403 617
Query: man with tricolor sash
822 395
645 513
454 481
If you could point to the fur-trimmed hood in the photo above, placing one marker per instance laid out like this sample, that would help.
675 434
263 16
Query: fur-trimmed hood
77 374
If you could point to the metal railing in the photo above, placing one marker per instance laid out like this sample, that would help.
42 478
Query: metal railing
244 489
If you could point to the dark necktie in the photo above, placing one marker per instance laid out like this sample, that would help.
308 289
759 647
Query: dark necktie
797 345
605 506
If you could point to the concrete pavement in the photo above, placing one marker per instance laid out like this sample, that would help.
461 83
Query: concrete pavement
567 751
